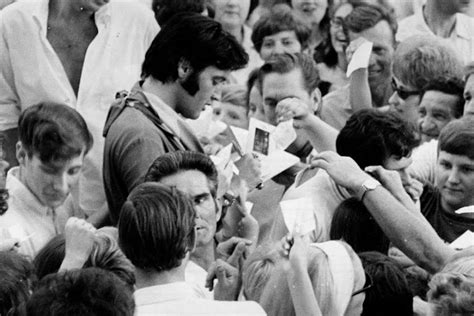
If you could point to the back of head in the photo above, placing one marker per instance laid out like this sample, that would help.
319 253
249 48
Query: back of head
419 60
17 280
457 138
390 293
234 94
196 39
370 137
285 63
174 162
365 16
451 294
169 8
53 132
156 227
89 291
353 223
280 18
105 254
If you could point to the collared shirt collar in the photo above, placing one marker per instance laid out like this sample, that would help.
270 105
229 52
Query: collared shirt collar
459 29
17 188
41 10
169 117
164 293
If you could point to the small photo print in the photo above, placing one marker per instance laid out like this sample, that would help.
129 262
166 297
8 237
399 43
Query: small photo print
261 142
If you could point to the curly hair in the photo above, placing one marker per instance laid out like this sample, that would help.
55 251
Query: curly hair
451 294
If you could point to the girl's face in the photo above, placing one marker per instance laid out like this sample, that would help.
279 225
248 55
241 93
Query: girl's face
339 39
312 11
231 12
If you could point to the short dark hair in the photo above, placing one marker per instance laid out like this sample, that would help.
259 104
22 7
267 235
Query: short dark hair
89 291
166 9
390 293
174 162
105 254
53 132
370 137
452 86
17 280
353 223
156 227
457 138
196 39
365 16
280 18
285 63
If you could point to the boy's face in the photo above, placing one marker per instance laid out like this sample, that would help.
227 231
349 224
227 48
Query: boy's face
231 114
455 174
51 182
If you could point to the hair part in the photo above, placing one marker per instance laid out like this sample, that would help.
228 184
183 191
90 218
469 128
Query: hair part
457 138
366 16
53 132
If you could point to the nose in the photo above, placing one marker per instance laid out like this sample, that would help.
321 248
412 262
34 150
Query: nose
469 108
453 176
60 183
405 176
394 99
278 49
426 123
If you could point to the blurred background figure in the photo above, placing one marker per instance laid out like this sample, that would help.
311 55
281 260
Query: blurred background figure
232 108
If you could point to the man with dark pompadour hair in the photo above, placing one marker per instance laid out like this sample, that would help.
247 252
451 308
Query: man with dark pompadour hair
185 65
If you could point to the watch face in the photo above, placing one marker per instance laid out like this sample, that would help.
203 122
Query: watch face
371 184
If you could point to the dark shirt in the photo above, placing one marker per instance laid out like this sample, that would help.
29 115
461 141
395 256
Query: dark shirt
449 226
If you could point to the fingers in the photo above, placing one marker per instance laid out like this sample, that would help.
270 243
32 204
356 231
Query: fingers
236 256
211 275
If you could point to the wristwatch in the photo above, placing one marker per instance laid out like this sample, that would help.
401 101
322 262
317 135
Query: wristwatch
367 185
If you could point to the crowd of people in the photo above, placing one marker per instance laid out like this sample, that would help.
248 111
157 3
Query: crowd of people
237 157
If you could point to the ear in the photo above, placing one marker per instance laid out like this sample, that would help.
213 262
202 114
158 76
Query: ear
218 209
184 69
20 153
316 100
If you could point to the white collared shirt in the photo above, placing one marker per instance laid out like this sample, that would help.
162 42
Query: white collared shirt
30 221
31 72
461 39
179 298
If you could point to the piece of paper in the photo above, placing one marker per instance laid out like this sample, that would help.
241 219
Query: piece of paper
240 136
360 58
464 241
284 134
298 213
276 163
465 210
205 125
248 206
258 139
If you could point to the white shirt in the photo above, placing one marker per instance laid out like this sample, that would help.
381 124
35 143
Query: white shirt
461 39
196 276
30 221
31 72
179 298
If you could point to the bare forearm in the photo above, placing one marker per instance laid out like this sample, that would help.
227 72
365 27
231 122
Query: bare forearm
321 135
408 230
359 90
302 293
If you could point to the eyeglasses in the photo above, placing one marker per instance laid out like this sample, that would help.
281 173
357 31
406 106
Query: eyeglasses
403 94
337 22
368 284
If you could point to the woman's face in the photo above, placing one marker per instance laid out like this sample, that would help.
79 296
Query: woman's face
312 11
339 39
231 12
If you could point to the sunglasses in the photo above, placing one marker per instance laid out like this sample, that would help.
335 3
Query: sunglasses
403 94
368 284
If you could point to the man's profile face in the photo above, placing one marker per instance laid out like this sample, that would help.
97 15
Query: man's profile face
469 96
279 43
408 107
459 6
50 182
455 174
436 110
198 88
382 52
276 87
196 185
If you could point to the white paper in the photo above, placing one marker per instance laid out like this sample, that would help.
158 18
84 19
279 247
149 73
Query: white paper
248 206
465 210
360 58
284 134
464 241
241 136
298 213
276 163
205 126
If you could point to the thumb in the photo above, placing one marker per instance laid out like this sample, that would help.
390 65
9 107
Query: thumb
237 254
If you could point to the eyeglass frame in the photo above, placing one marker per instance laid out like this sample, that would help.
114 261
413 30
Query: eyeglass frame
366 287
337 21
403 94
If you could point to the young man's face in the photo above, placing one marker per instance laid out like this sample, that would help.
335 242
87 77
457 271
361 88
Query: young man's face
279 43
469 96
195 184
406 105
455 174
382 52
207 83
51 182
436 110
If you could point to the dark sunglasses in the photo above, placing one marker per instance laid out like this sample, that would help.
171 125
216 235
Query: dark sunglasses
368 284
403 94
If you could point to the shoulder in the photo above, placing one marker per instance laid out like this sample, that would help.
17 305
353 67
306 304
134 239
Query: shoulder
131 13
407 26
19 11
